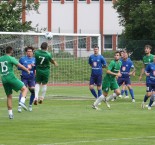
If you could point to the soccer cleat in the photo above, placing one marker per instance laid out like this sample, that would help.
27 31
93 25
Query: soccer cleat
23 106
153 104
143 105
35 102
149 108
99 103
30 108
126 97
108 105
41 100
94 107
120 96
19 109
133 100
10 116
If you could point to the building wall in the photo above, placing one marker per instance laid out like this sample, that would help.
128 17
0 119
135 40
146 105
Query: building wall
88 19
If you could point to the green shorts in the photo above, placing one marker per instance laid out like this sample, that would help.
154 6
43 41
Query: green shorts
42 76
109 84
12 84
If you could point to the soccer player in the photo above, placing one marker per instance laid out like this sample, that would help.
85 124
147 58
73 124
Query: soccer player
43 60
9 80
110 82
28 79
127 65
150 73
147 59
124 87
97 62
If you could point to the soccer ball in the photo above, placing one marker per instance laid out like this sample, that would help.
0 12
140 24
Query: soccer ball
48 35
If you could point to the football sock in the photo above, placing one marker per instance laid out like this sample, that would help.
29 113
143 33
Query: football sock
22 99
20 96
32 96
10 112
93 92
37 88
126 92
99 93
145 98
111 97
131 93
98 100
43 90
122 92
151 101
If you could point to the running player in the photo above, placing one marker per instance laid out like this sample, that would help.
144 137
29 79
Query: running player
9 80
28 79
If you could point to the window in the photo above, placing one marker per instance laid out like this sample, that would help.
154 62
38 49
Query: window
69 42
94 0
94 42
108 41
81 42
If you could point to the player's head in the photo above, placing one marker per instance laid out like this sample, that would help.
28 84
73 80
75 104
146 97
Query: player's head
29 51
96 50
122 53
147 49
44 46
9 50
125 54
117 55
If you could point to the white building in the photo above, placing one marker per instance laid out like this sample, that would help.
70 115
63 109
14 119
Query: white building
79 16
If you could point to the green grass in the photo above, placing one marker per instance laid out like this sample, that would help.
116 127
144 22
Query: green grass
66 118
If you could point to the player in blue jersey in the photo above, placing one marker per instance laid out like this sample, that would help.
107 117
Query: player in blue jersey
127 65
124 87
28 79
97 62
150 73
147 59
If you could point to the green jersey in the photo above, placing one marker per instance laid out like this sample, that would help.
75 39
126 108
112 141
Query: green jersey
148 59
43 59
114 66
6 67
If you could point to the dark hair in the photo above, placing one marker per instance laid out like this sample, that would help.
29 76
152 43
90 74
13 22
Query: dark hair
117 52
96 47
148 46
44 45
29 48
8 49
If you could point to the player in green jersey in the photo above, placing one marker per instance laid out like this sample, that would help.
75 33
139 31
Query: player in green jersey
110 82
43 60
147 59
9 80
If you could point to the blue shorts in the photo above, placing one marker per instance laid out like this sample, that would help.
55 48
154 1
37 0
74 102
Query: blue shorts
96 79
28 82
126 81
150 87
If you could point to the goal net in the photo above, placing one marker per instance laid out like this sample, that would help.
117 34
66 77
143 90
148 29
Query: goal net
71 51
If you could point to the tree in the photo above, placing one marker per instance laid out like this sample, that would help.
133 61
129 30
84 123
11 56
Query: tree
11 15
138 19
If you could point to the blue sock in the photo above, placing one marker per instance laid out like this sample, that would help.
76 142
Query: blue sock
20 96
93 92
126 92
99 93
131 93
122 92
32 96
151 102
145 98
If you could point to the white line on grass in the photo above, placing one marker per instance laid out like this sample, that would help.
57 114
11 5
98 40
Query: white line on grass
90 141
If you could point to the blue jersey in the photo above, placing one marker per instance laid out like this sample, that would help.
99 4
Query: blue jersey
28 62
150 68
97 62
126 67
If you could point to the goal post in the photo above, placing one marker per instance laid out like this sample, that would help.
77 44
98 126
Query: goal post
71 51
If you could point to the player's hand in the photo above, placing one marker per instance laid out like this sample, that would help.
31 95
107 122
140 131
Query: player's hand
119 74
55 64
28 71
147 74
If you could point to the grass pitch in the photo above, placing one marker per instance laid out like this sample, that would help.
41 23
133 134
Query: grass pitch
66 118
